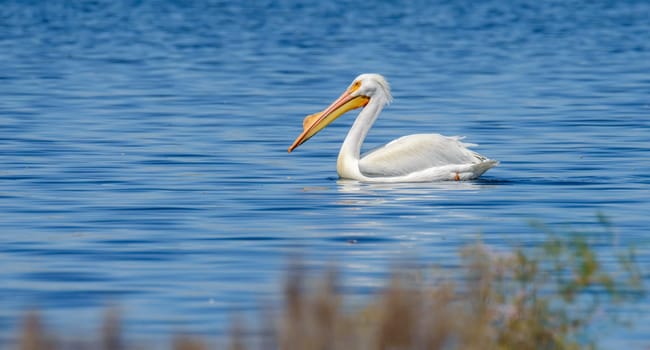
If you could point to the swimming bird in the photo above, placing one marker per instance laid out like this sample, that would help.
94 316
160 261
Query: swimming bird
412 158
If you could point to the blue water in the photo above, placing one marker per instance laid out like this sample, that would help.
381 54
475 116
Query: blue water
143 146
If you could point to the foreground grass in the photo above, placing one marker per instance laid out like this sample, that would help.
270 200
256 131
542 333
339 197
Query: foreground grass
541 298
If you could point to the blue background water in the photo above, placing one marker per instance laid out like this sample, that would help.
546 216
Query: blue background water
143 145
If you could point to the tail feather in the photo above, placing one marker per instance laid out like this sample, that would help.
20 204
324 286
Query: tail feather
484 166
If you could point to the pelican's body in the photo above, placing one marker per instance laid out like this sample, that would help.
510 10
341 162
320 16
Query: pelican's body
413 158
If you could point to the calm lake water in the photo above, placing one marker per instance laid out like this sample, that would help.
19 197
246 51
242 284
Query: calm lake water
143 146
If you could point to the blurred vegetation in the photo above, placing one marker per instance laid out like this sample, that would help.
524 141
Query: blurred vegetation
541 297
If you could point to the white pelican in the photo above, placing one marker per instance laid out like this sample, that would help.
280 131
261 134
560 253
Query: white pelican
412 158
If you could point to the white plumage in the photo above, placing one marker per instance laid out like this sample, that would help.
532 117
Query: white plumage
412 158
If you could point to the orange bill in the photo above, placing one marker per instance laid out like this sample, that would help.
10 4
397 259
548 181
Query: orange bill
318 121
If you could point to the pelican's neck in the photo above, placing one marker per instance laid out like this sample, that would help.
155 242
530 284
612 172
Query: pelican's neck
348 162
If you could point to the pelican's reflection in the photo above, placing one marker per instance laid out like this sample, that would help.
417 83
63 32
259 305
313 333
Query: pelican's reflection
407 188
371 194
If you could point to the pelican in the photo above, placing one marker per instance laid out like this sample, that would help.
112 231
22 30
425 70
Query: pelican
412 158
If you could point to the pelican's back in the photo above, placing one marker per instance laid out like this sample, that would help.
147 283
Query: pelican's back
414 153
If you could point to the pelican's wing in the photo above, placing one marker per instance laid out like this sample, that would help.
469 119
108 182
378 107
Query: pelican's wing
417 152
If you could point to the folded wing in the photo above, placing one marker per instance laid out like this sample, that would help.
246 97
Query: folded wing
413 153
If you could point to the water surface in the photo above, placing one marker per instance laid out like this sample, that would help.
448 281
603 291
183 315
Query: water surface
143 146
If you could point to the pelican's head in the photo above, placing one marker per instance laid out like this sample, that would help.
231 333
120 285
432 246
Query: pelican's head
358 94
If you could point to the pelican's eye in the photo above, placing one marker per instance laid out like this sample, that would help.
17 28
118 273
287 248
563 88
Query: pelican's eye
355 86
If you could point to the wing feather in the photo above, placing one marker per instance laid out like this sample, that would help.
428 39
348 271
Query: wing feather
413 153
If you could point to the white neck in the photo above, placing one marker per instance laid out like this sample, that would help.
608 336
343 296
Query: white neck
347 164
